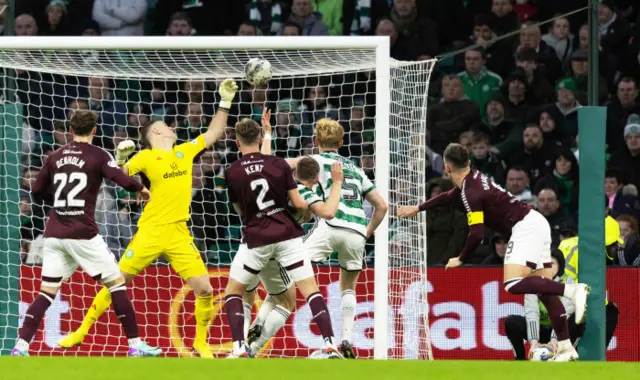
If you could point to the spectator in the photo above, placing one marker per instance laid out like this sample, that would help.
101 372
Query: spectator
564 180
61 134
505 19
485 161
535 156
417 29
446 226
608 62
525 10
180 24
206 18
357 15
619 110
56 18
465 139
310 22
548 61
498 250
498 52
193 125
560 39
622 199
357 132
579 71
518 185
291 29
3 3
452 116
629 254
516 91
314 108
331 12
91 28
247 29
540 90
552 130
505 136
627 158
26 25
403 48
112 113
614 30
120 18
567 106
436 163
286 130
549 206
267 16
479 83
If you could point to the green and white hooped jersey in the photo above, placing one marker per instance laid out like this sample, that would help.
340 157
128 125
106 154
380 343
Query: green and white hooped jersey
307 195
355 186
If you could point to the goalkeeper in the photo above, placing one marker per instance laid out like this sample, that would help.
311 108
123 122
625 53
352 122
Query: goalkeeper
162 229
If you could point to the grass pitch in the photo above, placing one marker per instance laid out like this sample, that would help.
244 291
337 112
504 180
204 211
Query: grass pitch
83 368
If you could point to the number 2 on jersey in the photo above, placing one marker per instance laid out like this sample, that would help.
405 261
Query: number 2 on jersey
61 180
263 185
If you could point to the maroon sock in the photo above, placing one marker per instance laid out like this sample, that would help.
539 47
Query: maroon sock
34 315
320 314
557 315
235 316
534 285
124 311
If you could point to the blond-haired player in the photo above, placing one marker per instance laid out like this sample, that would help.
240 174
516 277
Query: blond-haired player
348 230
162 229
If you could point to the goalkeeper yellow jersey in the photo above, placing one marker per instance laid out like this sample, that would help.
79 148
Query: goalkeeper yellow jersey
569 249
169 172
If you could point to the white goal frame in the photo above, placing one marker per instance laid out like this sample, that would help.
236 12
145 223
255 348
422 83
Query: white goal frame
383 63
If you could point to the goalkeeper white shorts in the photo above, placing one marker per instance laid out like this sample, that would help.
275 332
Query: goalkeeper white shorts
323 239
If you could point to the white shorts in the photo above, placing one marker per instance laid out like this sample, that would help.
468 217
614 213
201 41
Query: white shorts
274 278
530 243
290 254
61 258
323 239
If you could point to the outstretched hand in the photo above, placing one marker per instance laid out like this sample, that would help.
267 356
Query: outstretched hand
453 263
266 121
143 195
408 211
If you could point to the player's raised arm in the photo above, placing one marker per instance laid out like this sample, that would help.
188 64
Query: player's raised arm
123 151
266 132
439 200
120 176
227 91
475 218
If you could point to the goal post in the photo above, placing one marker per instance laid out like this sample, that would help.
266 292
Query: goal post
380 102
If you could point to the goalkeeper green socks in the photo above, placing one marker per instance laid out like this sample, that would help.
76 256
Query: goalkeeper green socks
203 313
99 305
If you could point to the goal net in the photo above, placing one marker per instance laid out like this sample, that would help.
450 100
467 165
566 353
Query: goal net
380 102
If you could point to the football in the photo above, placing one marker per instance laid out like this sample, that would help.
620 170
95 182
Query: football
542 353
258 72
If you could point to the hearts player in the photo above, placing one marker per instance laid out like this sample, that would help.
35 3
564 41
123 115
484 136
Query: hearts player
527 264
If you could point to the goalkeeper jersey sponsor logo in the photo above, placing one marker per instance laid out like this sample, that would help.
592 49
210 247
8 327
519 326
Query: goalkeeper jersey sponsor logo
175 173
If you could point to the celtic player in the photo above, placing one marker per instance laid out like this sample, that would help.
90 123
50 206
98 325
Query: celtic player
162 229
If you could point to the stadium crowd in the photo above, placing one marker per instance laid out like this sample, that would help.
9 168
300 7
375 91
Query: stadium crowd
512 101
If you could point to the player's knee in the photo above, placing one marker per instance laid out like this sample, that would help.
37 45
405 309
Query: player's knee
510 285
50 291
51 283
287 300
204 290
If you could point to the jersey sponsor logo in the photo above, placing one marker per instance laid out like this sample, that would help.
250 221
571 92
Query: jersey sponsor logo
179 155
69 151
175 173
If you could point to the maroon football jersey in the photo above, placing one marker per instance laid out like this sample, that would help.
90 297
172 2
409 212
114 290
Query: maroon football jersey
485 203
259 184
73 175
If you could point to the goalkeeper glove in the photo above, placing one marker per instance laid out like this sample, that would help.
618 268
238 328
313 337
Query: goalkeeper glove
123 151
227 91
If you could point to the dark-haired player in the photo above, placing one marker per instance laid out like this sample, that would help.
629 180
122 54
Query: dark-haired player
260 187
162 229
527 264
72 176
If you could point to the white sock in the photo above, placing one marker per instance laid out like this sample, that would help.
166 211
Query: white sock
134 342
348 313
247 318
273 323
265 310
565 345
569 290
22 345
